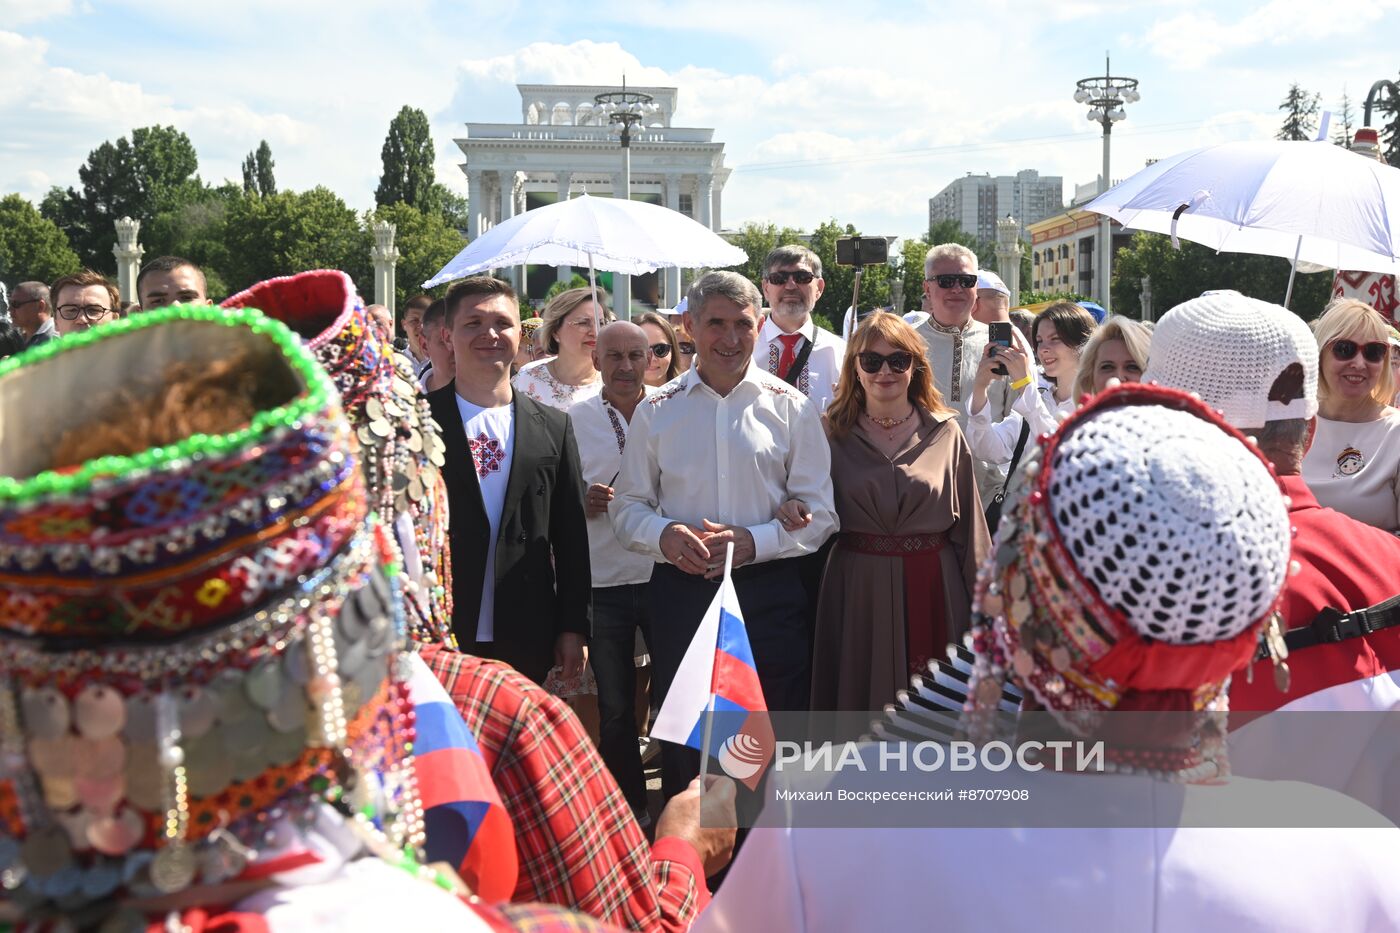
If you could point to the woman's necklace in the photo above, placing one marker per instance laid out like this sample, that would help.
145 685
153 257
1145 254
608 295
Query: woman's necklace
888 424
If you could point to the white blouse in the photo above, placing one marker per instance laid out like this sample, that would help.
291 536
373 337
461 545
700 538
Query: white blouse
1354 467
538 382
995 442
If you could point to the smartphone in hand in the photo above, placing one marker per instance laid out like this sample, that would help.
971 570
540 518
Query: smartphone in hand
999 334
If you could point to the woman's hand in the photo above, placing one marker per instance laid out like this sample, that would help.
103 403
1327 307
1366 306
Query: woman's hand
793 514
1018 365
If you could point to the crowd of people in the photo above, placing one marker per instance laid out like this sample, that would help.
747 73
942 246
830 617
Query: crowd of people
229 579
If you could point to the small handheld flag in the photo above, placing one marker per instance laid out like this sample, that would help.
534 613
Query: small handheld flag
715 703
465 823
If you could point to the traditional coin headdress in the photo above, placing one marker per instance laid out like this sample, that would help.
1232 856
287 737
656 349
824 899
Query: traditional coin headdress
401 446
198 642
1144 555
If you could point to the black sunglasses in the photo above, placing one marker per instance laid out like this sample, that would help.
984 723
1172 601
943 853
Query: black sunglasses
899 360
800 276
661 349
1374 352
687 348
955 279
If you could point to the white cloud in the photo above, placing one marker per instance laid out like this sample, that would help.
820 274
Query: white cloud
1195 38
21 12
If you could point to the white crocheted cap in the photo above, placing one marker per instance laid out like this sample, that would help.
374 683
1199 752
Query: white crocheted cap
1177 524
1231 350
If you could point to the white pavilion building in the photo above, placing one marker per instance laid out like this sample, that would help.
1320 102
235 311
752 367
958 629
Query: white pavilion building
562 147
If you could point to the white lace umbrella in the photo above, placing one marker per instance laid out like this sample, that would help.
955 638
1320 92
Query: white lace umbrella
1312 202
611 234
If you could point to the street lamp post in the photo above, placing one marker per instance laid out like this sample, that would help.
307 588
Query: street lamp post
1106 96
1374 93
626 111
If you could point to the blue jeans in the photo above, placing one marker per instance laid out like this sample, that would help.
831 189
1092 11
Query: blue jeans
618 611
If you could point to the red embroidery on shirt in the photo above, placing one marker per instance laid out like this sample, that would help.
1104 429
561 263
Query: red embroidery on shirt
487 453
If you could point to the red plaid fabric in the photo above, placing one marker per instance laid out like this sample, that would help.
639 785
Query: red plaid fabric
579 845
538 918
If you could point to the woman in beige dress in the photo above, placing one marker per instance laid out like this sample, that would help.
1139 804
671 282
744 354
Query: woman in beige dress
899 581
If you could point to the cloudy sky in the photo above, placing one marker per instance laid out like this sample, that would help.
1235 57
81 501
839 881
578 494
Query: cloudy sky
824 114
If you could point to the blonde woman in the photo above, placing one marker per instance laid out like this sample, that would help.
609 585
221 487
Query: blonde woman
1117 349
569 332
899 581
1353 465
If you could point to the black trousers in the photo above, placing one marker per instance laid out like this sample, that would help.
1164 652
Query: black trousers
774 604
618 611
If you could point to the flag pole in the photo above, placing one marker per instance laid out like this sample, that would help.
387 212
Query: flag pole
710 712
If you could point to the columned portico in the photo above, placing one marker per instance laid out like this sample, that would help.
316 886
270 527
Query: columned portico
560 147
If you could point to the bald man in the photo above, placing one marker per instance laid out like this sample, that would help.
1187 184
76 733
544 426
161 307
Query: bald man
619 576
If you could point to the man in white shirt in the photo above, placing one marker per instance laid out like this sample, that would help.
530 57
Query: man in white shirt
521 584
709 460
790 345
956 339
619 576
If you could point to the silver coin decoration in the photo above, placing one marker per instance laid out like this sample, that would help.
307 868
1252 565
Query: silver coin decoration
101 795
145 779
140 718
264 684
173 869
294 663
63 883
99 712
290 713
100 758
46 850
60 793
116 834
46 713
234 704
198 710
75 823
53 758
208 768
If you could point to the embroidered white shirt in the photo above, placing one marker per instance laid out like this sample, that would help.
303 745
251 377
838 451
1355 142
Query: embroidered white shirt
693 454
601 431
819 375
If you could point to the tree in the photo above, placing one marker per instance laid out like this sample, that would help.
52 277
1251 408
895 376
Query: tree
1300 109
257 171
948 231
32 248
292 232
576 281
136 178
1179 275
1346 117
196 228
408 162
757 240
453 207
1035 298
425 243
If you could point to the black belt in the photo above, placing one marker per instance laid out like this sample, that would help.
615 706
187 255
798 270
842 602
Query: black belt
1332 625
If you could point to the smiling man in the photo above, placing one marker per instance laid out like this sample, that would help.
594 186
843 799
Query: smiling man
709 459
520 569
956 340
791 346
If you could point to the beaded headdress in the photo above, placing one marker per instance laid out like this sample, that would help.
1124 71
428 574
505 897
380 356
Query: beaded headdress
1144 555
401 446
193 637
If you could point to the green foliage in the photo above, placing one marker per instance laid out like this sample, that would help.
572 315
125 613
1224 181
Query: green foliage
32 248
257 171
576 281
1300 109
292 232
453 207
948 231
1346 121
425 243
408 162
1035 298
135 178
1178 275
758 240
197 229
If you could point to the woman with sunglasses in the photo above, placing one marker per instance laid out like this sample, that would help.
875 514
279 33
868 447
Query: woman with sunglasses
665 348
1353 465
898 584
568 333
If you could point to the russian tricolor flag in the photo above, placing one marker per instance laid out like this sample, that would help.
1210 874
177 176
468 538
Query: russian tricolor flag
466 824
718 675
